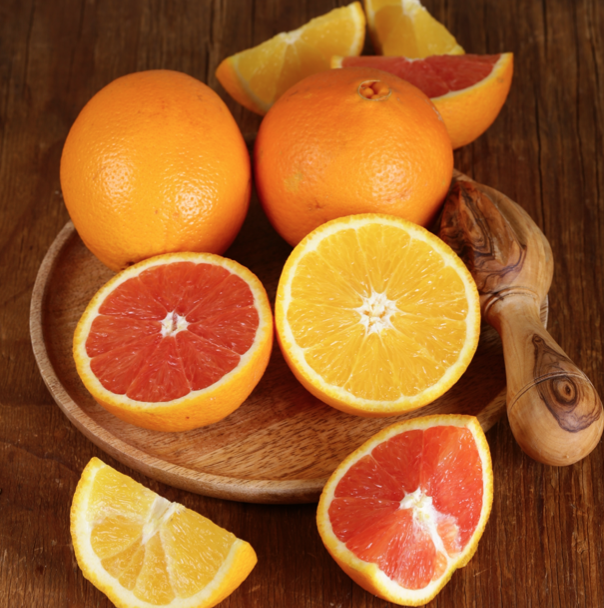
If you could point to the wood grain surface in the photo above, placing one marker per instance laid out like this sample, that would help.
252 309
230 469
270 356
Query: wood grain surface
543 545
553 409
282 444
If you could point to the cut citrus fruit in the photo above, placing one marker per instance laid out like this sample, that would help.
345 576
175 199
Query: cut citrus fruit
257 77
405 510
405 27
143 551
468 90
175 342
375 315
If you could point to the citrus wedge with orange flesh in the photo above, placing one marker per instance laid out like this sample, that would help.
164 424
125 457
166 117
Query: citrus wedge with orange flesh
175 342
143 551
375 315
406 509
405 27
467 90
258 76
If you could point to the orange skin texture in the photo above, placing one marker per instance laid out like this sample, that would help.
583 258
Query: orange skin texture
470 112
324 150
155 163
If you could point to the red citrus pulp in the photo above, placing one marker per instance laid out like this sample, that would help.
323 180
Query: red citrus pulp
468 90
408 507
175 342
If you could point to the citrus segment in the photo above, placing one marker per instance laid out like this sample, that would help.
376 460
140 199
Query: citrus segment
155 163
257 77
321 152
142 550
467 90
175 342
405 27
375 315
408 507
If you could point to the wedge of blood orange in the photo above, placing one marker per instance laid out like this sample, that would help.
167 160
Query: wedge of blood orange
468 90
408 508
175 342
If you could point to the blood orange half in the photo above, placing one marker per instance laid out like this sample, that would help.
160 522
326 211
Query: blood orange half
175 342
408 508
468 90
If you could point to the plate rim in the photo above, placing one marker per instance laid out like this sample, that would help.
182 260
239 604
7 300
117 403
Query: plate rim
230 488
266 491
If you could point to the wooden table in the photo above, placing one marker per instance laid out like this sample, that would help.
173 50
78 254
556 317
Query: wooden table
544 543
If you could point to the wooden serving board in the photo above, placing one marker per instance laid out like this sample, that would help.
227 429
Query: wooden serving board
281 445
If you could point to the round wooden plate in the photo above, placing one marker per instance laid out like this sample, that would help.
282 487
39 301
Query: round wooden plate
281 445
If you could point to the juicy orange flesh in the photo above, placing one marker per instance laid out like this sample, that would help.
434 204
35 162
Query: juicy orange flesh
366 512
403 29
436 75
274 66
179 558
417 342
130 356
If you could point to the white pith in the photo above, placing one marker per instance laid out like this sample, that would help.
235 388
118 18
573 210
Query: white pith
376 311
160 514
173 324
426 516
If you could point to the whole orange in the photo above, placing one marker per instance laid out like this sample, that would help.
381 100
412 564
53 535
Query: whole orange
350 141
155 163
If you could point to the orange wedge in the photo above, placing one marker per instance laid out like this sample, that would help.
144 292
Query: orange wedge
405 27
375 315
143 551
467 90
257 77
406 509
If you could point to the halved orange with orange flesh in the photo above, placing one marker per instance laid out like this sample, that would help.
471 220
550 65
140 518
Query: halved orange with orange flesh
406 509
405 27
468 90
144 551
257 77
375 315
175 342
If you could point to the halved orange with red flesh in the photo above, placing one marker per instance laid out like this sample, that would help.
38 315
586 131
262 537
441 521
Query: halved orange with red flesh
175 342
468 90
406 509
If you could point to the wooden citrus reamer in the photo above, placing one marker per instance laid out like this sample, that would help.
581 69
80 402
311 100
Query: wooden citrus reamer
553 409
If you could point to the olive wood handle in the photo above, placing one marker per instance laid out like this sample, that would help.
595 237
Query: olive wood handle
554 410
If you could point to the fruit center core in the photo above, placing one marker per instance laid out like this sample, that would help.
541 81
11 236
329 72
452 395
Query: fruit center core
161 512
422 507
375 312
426 515
172 324
374 90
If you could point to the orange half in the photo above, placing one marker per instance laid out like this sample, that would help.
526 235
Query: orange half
375 315
175 342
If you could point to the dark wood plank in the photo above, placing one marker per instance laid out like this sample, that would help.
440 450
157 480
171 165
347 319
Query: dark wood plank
543 545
